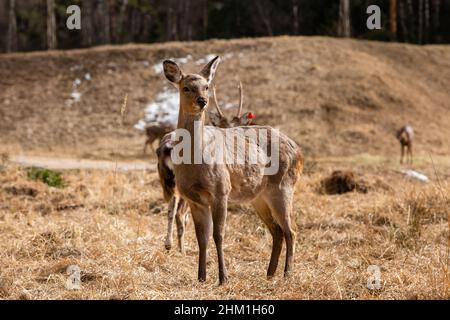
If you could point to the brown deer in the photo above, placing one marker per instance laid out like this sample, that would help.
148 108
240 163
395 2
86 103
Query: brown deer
156 131
405 136
219 120
208 186
177 208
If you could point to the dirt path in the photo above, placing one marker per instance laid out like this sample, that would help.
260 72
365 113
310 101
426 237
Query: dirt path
67 163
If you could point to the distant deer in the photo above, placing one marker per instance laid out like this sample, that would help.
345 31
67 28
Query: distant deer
156 131
177 208
405 136
207 187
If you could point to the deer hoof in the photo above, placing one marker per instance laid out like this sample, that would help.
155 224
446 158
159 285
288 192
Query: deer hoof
223 280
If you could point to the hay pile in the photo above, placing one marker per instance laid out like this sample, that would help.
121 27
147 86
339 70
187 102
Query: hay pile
342 181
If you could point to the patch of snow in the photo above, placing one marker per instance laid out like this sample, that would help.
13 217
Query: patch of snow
416 175
76 96
164 110
229 105
76 67
158 68
87 76
140 125
227 56
206 59
209 57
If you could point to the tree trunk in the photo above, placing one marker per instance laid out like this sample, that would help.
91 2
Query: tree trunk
344 19
427 21
420 31
51 25
186 26
295 22
412 22
87 35
205 19
402 18
106 30
436 20
11 44
393 17
264 17
121 23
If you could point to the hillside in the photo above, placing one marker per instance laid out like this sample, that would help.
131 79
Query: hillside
335 97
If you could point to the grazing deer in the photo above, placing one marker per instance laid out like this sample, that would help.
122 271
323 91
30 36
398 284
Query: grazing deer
156 131
405 136
207 187
177 208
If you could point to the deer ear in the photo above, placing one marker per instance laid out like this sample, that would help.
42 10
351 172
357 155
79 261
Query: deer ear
172 71
209 70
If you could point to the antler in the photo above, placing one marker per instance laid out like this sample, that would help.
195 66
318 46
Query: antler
241 99
216 103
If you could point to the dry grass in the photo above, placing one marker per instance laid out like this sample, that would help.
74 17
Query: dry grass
101 222
334 96
339 98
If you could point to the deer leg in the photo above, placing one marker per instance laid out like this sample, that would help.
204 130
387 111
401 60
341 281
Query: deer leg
202 220
280 203
219 215
149 141
263 211
173 207
401 153
181 223
410 154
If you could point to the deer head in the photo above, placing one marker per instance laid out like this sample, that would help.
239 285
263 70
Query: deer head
219 120
194 88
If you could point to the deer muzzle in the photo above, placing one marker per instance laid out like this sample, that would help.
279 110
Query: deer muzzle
201 101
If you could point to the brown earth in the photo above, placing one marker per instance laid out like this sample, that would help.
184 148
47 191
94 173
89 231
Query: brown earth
335 97
340 99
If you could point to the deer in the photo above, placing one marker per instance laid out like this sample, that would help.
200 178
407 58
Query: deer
405 136
219 120
156 131
177 206
208 186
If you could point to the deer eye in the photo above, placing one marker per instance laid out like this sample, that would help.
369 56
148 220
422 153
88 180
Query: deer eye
186 89
206 87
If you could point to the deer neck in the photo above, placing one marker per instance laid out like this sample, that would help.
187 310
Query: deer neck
194 124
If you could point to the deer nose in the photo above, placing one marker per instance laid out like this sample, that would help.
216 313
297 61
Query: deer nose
202 101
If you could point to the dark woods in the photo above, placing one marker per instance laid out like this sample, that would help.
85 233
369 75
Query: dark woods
41 24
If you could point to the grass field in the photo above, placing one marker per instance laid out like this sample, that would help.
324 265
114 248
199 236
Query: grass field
112 225
341 99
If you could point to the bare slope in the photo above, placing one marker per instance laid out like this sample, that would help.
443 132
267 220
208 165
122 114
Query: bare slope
335 97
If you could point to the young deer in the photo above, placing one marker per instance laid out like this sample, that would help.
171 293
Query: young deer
177 208
207 187
405 136
156 131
